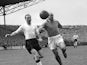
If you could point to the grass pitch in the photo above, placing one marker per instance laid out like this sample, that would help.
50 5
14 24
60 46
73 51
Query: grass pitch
76 56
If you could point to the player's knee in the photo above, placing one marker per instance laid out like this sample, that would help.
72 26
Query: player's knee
63 50
33 51
36 57
55 52
56 55
63 46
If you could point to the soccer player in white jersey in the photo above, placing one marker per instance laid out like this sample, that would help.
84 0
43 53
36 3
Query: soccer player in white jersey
29 32
75 40
54 37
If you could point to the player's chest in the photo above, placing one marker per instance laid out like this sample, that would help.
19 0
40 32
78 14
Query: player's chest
52 25
29 29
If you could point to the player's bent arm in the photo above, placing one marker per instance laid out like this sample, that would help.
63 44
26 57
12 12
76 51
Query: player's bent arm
59 25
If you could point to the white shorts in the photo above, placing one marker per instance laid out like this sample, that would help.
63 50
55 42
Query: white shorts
75 43
56 41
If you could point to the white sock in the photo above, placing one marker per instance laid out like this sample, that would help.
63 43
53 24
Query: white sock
39 63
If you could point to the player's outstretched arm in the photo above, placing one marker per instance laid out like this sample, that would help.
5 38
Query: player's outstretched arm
15 32
7 35
12 34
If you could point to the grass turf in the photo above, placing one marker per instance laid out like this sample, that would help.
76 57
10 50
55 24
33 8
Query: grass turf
76 56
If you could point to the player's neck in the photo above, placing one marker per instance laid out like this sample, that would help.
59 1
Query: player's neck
50 21
28 24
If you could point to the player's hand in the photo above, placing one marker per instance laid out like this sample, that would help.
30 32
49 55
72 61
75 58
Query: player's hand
7 35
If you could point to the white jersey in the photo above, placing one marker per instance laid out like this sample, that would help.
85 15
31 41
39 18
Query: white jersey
75 36
29 31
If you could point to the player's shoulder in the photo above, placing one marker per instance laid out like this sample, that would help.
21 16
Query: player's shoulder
20 26
23 26
56 21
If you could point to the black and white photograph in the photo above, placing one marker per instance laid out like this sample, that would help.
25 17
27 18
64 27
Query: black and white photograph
43 32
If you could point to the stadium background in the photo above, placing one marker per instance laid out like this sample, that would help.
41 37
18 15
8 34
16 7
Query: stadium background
67 33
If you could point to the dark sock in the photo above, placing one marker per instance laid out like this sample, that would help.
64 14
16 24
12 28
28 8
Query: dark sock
64 53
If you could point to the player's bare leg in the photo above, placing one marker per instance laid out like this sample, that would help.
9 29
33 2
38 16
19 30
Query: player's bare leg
63 48
64 52
57 57
36 57
40 54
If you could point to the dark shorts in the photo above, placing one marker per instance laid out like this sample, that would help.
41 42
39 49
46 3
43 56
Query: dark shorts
32 44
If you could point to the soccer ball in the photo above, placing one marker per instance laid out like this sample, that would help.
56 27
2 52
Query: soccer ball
44 14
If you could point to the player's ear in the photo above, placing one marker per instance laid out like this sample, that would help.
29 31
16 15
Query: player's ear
59 25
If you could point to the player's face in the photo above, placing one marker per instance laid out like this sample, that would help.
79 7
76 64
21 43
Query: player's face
28 19
50 18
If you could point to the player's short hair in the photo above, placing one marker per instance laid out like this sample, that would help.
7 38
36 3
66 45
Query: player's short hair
27 15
